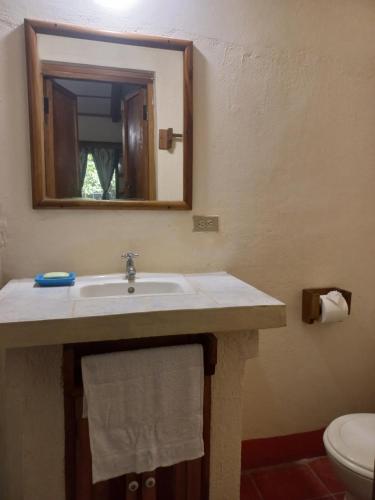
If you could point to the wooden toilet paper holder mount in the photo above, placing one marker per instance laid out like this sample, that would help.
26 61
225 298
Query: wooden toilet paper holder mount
311 302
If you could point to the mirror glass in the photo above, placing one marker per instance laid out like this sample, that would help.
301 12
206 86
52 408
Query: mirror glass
99 143
113 120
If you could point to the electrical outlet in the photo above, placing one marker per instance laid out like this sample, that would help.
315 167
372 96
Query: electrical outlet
205 223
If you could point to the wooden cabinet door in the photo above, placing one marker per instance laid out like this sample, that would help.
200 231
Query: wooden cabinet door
115 489
184 481
149 485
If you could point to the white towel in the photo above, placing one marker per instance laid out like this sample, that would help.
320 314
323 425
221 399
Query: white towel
145 409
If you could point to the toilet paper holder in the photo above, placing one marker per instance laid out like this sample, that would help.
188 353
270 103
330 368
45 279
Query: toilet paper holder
311 302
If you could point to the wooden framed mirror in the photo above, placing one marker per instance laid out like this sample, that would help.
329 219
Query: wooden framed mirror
111 119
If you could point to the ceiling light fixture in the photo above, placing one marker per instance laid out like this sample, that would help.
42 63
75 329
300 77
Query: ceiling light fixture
116 4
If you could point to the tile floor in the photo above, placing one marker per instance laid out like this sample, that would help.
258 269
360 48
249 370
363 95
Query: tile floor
310 479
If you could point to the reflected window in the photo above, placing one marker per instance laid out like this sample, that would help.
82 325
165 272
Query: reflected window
92 188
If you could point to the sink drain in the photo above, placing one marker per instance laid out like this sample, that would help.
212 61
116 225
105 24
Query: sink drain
131 289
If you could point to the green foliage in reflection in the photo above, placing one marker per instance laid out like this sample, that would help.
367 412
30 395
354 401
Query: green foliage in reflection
91 186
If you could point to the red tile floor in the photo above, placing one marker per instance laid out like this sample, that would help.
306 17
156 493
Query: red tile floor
309 479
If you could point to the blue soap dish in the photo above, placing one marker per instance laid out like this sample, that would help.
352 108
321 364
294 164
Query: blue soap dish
68 281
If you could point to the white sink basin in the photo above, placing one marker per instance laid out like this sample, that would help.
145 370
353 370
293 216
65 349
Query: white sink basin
114 287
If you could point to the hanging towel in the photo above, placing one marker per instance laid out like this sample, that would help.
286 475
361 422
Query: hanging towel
145 409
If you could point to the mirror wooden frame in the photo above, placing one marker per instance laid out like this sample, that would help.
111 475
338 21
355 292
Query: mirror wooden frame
36 114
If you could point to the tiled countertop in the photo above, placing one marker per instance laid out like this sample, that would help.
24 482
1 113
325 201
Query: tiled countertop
30 315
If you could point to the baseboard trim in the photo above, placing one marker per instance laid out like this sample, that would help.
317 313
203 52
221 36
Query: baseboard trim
264 452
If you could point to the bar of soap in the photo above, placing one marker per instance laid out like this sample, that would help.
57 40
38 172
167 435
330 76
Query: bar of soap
55 275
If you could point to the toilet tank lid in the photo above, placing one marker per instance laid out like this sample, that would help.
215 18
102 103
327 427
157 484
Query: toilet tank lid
351 440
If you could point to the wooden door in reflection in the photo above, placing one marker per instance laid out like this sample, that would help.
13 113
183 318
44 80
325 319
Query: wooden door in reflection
136 155
61 142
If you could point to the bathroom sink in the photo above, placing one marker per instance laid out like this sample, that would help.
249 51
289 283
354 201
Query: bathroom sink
142 286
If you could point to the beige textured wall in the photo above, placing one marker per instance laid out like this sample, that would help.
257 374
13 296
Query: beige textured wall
284 97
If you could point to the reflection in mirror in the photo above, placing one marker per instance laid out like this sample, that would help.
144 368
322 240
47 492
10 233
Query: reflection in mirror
99 138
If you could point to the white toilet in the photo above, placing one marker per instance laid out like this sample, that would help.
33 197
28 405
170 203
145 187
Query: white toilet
350 445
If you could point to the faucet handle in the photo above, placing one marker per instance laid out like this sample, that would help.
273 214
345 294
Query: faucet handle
129 255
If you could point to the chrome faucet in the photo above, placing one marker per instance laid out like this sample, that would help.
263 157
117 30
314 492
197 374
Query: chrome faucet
130 267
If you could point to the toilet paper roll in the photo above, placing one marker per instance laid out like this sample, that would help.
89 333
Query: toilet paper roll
333 307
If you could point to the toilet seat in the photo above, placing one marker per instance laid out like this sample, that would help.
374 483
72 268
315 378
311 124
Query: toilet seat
350 440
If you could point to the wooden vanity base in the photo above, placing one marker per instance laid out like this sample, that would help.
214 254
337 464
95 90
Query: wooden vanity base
184 481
